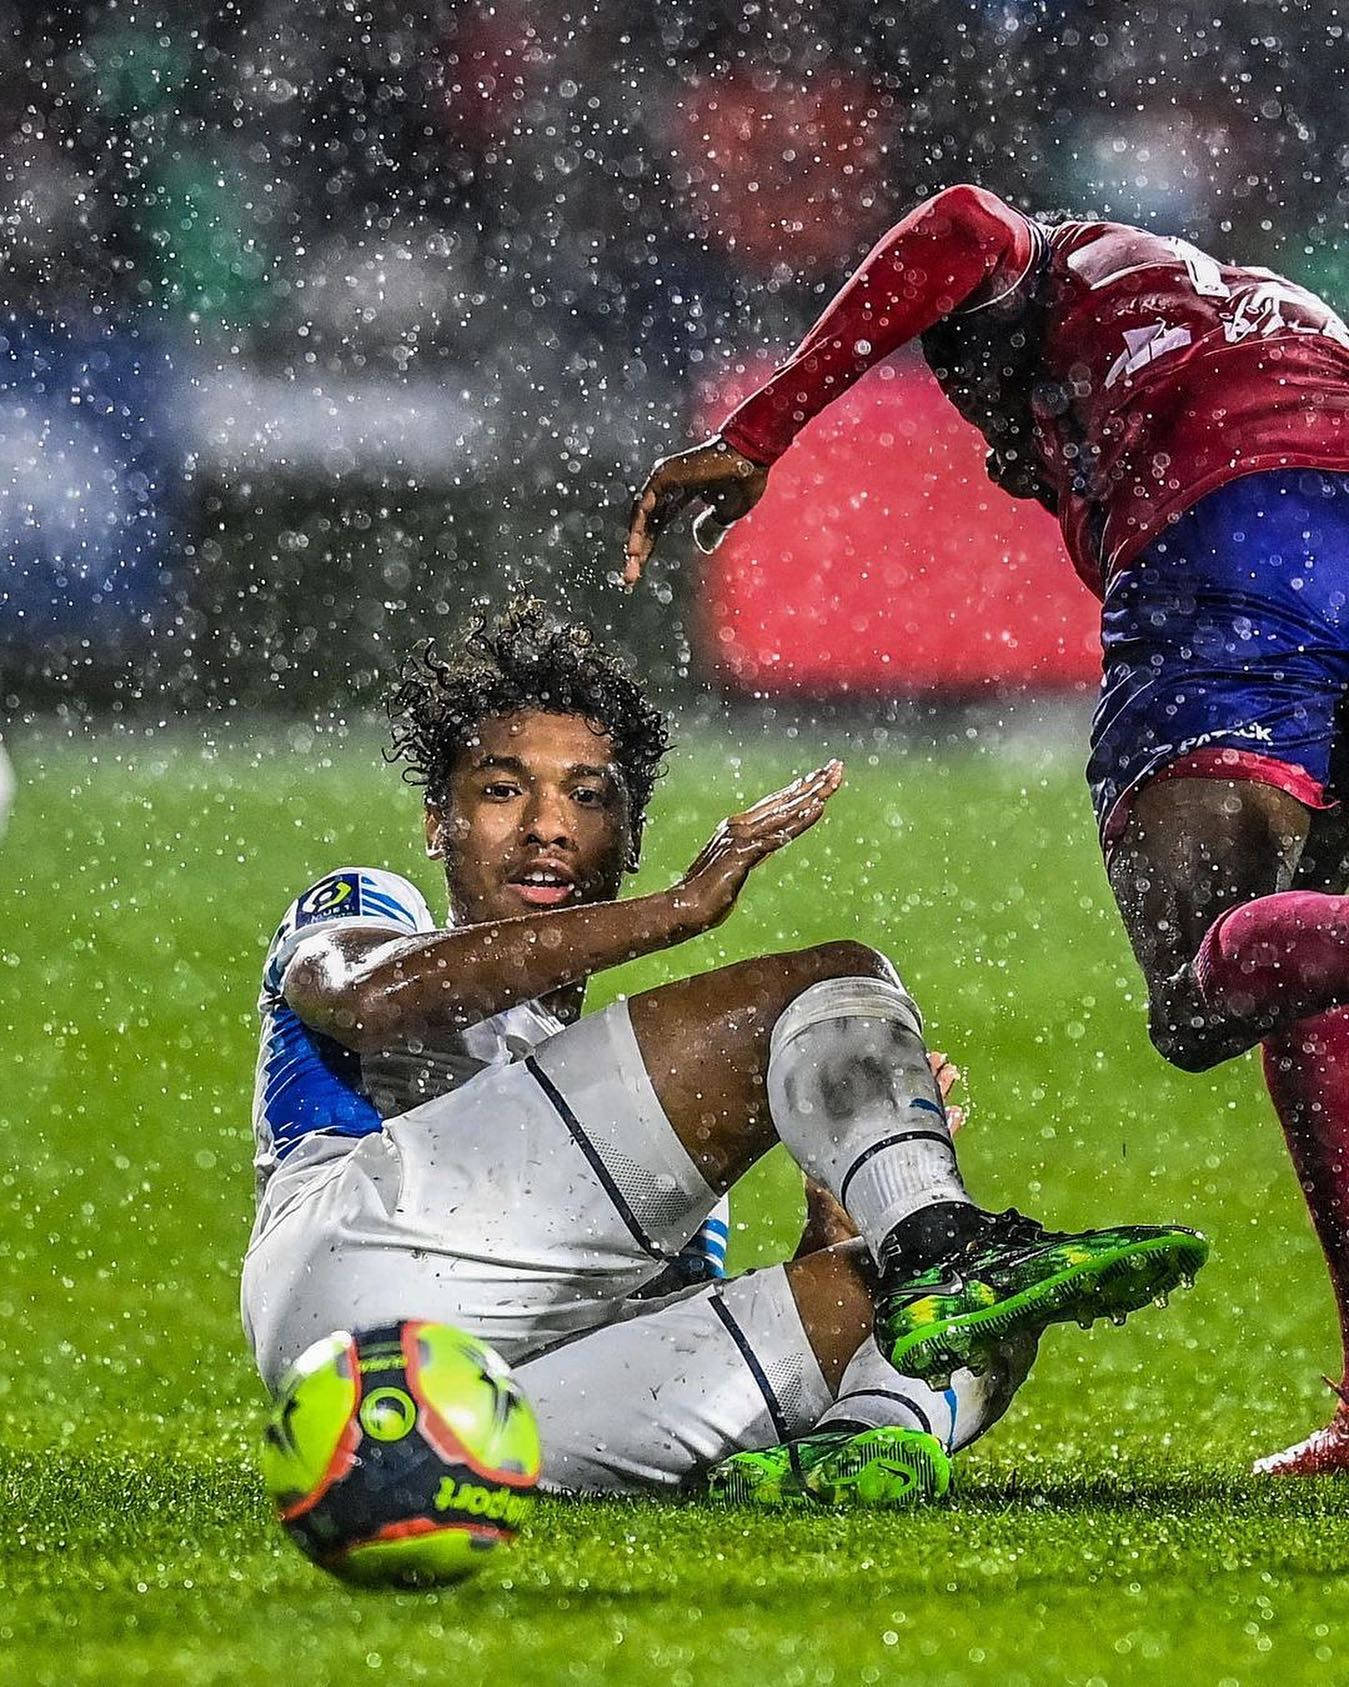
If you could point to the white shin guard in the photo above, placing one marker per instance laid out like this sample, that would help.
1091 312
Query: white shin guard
855 1102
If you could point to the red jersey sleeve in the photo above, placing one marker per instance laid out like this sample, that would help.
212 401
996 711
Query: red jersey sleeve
959 250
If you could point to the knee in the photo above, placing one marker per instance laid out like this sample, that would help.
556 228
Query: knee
1180 1045
806 973
1192 1040
843 958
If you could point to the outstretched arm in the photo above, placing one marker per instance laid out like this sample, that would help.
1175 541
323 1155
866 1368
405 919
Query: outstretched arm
955 251
940 258
371 991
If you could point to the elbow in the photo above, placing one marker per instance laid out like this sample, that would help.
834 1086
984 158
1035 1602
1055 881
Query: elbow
354 1013
965 199
363 1030
971 210
1196 1043
1182 1047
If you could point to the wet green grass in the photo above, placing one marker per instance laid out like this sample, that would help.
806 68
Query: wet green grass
1106 1532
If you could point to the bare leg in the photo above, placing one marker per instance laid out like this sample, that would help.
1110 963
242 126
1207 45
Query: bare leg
833 1292
826 1222
705 1042
1195 850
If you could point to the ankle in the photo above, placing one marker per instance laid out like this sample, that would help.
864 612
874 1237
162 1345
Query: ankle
928 1235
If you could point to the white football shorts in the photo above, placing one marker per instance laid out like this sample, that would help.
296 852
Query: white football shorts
650 1403
524 1207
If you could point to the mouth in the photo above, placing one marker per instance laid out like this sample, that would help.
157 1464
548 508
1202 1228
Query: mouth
544 887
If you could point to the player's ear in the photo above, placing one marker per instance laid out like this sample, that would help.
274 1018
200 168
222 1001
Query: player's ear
437 833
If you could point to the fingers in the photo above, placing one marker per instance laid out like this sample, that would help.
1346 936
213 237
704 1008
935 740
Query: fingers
785 816
767 842
639 538
668 487
947 1076
783 830
944 1072
653 509
773 821
828 777
711 471
770 810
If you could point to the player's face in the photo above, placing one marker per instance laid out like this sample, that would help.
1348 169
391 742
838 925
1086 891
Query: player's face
537 817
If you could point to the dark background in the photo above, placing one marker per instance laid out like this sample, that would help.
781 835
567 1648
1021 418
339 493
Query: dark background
321 321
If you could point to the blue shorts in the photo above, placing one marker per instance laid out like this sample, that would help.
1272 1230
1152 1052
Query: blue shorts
1225 645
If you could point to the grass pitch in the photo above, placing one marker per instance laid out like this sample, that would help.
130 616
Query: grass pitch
1105 1533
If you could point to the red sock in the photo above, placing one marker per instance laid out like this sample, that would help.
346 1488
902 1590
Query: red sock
1307 1071
1277 959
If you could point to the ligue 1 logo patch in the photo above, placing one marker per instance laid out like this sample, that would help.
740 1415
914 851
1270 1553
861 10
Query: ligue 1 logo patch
338 894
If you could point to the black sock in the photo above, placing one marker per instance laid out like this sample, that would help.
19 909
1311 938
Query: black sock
928 1235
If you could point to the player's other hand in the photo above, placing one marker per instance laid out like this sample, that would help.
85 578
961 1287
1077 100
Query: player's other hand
709 889
948 1076
713 473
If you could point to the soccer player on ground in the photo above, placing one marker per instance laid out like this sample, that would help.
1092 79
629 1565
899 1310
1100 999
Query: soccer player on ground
441 1136
1187 422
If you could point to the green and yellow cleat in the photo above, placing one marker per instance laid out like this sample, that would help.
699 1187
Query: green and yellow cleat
1017 1278
839 1468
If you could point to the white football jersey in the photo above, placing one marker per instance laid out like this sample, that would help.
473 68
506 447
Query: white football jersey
309 1085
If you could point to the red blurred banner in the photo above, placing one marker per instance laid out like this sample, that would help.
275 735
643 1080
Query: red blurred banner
883 559
780 171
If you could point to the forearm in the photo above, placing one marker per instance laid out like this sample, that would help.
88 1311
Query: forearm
418 987
928 265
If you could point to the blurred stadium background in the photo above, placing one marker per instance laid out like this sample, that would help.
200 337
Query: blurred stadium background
320 317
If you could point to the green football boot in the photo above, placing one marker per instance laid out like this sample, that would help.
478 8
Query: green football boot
839 1468
1017 1278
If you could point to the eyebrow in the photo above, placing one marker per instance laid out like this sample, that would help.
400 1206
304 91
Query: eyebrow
513 764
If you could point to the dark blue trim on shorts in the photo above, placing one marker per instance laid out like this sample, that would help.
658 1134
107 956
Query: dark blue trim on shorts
756 1370
596 1164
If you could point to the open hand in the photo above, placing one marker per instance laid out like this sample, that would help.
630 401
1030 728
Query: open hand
714 473
742 841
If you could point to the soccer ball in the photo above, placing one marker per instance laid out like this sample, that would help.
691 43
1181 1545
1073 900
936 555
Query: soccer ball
403 1455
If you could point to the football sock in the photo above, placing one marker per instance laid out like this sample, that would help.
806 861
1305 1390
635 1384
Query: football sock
872 1396
855 1102
1307 1071
923 1237
1278 958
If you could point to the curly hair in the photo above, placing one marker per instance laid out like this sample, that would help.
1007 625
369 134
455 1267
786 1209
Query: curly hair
524 659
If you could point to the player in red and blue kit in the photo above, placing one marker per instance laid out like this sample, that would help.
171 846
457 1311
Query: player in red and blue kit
1187 422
